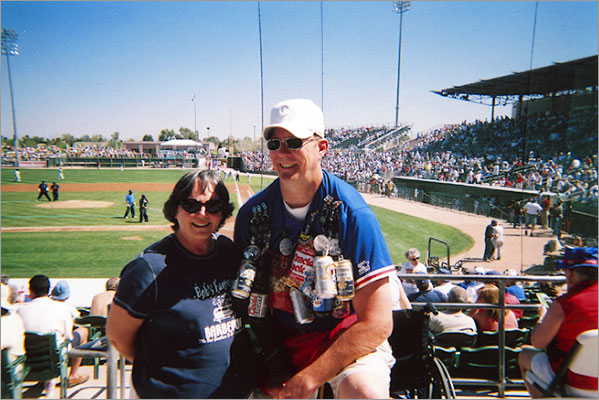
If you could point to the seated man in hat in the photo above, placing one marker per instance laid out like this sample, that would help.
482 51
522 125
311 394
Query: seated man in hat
426 293
567 317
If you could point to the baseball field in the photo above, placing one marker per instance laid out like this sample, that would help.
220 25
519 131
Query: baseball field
84 234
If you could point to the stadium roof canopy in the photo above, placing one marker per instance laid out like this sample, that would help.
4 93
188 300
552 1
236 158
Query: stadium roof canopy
556 79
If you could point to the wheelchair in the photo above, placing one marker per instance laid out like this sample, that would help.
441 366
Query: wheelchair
417 373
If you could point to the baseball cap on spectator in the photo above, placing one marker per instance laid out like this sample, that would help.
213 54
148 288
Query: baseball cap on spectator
492 272
419 269
578 257
300 117
444 271
61 291
478 271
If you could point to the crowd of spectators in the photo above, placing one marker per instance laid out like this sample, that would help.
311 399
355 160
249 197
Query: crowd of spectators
560 155
42 152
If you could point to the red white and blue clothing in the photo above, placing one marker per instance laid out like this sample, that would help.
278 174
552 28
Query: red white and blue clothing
360 240
580 311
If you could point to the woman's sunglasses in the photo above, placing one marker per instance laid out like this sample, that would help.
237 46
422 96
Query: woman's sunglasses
291 143
193 206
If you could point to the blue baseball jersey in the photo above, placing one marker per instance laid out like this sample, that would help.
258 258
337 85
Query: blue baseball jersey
359 233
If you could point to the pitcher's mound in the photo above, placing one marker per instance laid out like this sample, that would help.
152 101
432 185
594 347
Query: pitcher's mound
76 204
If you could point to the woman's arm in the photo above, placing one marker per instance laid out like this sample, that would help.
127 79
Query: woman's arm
121 329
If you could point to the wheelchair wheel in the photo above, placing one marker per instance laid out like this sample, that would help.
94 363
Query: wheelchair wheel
441 385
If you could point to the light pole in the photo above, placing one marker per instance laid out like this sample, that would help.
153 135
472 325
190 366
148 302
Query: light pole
399 7
195 130
11 48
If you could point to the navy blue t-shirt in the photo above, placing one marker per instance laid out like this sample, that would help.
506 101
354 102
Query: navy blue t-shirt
182 349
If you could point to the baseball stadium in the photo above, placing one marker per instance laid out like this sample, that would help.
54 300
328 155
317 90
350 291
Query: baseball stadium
501 202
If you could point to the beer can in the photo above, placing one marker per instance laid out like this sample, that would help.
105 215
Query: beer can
345 280
322 307
242 287
258 305
324 285
341 308
303 313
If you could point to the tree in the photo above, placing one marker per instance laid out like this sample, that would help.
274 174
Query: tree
114 139
187 133
166 135
98 138
147 138
68 139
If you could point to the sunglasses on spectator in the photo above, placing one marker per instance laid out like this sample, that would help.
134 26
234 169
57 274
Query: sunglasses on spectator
193 206
291 143
415 258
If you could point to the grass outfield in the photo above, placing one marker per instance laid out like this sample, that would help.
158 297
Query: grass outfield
104 253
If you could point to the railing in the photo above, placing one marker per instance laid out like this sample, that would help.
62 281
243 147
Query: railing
500 281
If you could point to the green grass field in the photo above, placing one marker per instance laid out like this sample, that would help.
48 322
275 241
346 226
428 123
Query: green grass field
104 253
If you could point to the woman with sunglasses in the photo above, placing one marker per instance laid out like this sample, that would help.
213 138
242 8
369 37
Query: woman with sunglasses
172 315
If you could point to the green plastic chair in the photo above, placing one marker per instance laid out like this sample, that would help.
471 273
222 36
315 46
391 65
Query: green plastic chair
96 324
13 376
46 359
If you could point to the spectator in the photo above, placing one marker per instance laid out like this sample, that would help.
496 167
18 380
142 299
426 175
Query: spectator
497 238
102 301
567 317
426 293
13 332
453 320
473 285
514 287
507 297
173 315
44 315
413 256
444 286
327 350
488 319
532 209
489 246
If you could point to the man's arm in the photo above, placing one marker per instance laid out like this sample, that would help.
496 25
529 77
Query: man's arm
544 332
372 305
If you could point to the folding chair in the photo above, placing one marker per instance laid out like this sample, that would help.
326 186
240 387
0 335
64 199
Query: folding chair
96 324
513 338
580 364
13 375
455 339
46 359
483 362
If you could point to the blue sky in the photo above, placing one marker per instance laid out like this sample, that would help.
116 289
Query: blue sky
133 67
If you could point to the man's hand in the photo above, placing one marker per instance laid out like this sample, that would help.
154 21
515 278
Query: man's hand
300 386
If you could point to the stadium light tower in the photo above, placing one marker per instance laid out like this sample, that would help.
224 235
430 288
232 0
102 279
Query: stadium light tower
10 47
195 129
399 7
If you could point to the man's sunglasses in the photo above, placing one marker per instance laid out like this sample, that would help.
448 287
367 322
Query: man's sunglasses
193 206
291 143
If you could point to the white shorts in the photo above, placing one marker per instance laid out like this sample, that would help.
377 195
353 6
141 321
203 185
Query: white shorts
379 363
541 367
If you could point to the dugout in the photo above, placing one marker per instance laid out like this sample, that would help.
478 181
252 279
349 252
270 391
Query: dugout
484 200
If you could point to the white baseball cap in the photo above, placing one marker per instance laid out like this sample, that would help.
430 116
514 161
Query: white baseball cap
300 117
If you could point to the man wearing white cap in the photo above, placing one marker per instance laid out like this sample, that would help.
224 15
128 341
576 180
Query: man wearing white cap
350 352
